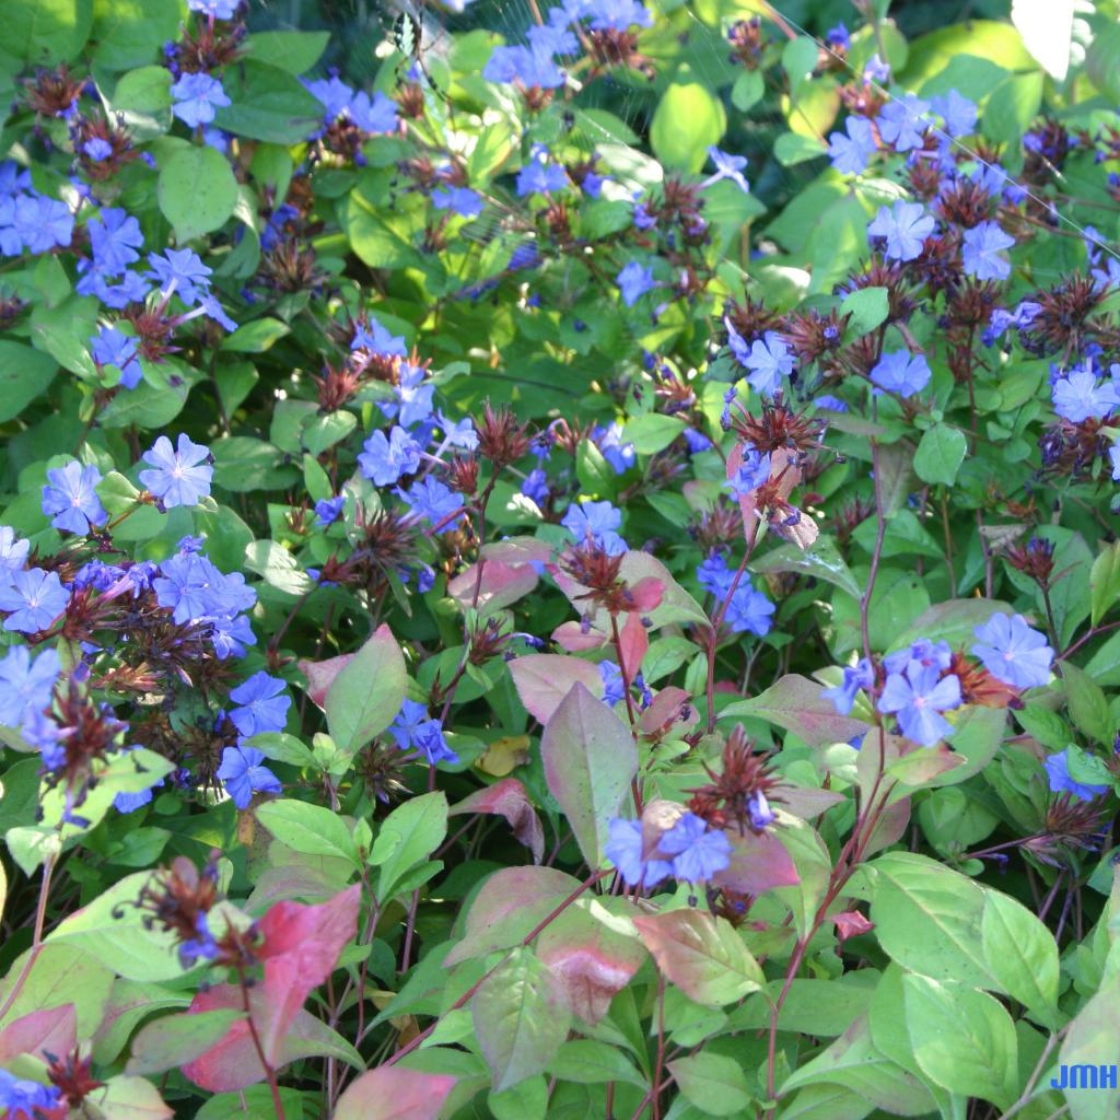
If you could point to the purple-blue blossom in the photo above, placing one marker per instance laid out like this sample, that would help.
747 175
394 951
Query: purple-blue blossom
902 122
1013 652
1061 781
414 729
114 238
633 282
917 698
850 150
597 521
182 271
957 111
982 252
33 600
197 98
769 360
262 705
905 226
178 476
244 773
525 66
901 372
218 9
459 200
26 684
538 177
857 678
111 347
70 498
729 167
625 848
385 459
1079 397
24 1099
430 499
698 852
753 472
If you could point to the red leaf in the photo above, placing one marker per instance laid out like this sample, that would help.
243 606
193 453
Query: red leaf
575 639
321 674
301 947
670 712
501 584
633 644
795 703
508 799
544 679
851 923
758 863
52 1030
393 1093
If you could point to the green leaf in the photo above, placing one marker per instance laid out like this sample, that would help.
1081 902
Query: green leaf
174 1040
129 32
1044 725
310 829
868 308
748 89
293 51
589 1062
589 760
652 432
59 975
45 32
795 703
821 560
24 374
799 59
367 694
597 478
197 191
1102 60
407 836
1091 1042
712 1082
929 918
268 104
1012 106
940 454
704 956
279 567
256 337
687 122
963 1040
520 1019
242 463
791 149
1104 582
1022 955
1088 705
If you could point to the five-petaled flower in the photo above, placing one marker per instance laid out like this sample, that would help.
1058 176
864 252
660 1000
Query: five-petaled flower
70 498
179 477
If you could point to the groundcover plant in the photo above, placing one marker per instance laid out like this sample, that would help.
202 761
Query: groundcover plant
574 576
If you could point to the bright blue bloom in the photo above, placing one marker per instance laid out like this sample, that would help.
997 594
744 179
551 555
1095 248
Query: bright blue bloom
22 1099
633 282
981 253
33 600
201 947
13 178
114 238
329 510
538 177
620 454
902 123
753 473
432 500
922 652
917 697
460 200
850 153
759 811
198 98
643 219
524 65
243 773
1057 772
535 486
458 433
609 15
833 404
838 36
905 225
179 477
611 676
625 847
13 553
901 372
748 610
130 288
25 685
843 696
263 705
728 167
1012 652
1078 397
413 729
194 590
334 95
696 441
182 271
219 9
377 339
111 347
377 115
769 360
42 223
598 521
699 852
957 111
1114 456
412 397
70 500
384 460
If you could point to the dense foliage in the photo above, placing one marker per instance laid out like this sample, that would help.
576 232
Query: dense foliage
575 579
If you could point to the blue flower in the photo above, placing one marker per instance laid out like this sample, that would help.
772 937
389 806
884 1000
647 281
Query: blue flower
921 652
859 677
198 98
850 153
243 773
430 499
633 282
625 848
905 225
334 95
412 397
609 15
1078 397
524 65
33 600
749 611
901 372
1012 652
201 947
753 472
620 454
538 177
699 852
414 729
219 9
838 37
179 477
13 553
759 812
957 111
981 254
769 360
329 510
460 200
597 521
917 697
902 123
182 271
1057 771
263 704
611 676
378 114
25 685
194 590
111 347
114 238
727 167
70 500
22 1099
385 459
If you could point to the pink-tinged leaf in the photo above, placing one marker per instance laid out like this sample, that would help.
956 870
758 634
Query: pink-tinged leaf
393 1093
365 697
592 961
703 956
919 766
520 1019
889 828
174 1041
633 645
590 759
671 713
519 550
647 594
571 636
759 863
544 679
301 945
796 704
321 674
51 1031
501 585
508 799
808 803
783 519
851 923
509 905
